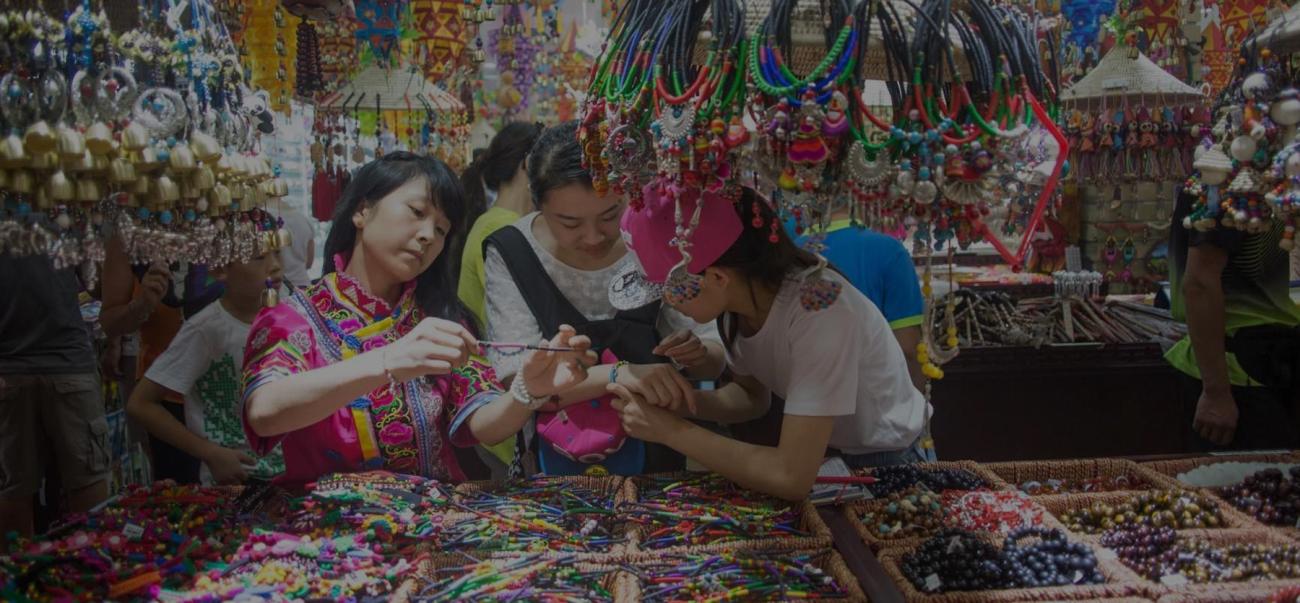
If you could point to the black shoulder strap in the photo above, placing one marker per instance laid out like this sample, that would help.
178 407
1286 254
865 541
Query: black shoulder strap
548 304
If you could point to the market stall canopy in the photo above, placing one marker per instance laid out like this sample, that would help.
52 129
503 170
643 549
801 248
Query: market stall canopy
1282 35
397 89
1125 74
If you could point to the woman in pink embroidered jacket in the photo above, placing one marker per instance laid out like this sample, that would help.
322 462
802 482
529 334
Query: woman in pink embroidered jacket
373 367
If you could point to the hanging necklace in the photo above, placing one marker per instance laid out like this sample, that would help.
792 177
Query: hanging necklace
692 147
682 286
803 119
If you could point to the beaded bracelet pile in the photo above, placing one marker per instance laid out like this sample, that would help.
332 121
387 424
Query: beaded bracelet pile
531 578
150 538
283 567
395 512
913 512
1269 496
1165 508
896 479
732 577
1001 512
957 560
708 509
1079 486
1158 554
538 515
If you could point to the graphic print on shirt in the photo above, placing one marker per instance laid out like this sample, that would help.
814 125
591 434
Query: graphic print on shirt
817 293
219 388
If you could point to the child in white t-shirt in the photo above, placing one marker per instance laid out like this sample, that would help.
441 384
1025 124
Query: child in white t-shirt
203 367
791 326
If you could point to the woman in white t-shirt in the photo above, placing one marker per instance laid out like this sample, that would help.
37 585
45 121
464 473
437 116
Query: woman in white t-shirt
791 326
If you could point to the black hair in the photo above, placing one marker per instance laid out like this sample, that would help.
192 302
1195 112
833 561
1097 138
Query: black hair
435 290
556 161
497 164
763 254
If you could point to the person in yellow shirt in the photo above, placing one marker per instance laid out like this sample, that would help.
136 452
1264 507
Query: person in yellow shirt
496 193
496 189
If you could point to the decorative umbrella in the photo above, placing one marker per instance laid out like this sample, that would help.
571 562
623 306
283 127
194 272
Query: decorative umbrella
400 89
1125 74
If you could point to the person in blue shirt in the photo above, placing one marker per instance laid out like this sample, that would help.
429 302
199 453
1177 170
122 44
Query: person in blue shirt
879 266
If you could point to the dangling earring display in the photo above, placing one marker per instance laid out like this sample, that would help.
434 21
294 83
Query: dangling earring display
1110 253
1129 252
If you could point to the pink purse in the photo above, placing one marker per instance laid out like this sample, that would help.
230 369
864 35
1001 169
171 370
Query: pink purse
585 432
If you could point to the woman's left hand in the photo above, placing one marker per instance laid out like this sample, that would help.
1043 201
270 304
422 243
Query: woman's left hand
550 373
684 348
642 420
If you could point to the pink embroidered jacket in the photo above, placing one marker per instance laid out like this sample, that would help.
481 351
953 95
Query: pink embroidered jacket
409 432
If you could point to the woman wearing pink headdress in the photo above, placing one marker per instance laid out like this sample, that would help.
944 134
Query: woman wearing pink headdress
791 326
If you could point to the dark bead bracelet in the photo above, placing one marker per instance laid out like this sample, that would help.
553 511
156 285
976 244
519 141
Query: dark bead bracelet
1051 561
1269 496
959 560
896 479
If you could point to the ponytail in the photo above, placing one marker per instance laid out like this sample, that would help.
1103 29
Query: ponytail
497 165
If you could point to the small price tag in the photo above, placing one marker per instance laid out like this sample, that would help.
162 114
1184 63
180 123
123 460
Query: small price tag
1173 580
1078 576
132 531
954 545
933 583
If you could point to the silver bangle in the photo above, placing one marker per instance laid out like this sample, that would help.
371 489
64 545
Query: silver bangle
519 391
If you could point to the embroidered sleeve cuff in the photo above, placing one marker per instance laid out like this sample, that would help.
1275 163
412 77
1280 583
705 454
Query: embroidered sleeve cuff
261 446
461 435
261 378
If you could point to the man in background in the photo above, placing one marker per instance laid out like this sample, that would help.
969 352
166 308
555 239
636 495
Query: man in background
1241 359
51 403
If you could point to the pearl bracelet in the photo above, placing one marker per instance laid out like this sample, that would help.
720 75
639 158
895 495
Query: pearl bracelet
519 391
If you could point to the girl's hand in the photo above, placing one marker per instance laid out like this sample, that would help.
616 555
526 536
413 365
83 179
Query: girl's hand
153 287
227 465
551 373
642 420
658 385
684 348
433 347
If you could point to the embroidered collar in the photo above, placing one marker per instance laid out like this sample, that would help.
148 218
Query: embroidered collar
351 293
